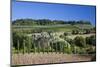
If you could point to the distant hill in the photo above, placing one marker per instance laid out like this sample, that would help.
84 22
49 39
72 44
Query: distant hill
21 22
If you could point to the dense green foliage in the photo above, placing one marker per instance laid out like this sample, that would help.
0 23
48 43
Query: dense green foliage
26 44
91 40
79 41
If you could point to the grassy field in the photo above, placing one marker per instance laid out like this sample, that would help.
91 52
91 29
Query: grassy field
66 27
55 28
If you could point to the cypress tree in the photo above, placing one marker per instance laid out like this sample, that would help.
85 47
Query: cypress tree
18 45
29 45
23 46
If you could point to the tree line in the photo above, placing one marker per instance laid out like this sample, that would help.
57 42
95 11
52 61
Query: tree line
47 22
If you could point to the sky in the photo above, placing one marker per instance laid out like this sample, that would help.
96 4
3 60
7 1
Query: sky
65 12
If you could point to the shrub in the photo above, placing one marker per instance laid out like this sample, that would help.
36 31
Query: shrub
91 40
79 41
65 33
75 32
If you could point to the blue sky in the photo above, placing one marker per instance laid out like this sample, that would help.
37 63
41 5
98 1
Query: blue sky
33 10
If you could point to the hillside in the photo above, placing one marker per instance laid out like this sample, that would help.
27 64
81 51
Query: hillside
50 25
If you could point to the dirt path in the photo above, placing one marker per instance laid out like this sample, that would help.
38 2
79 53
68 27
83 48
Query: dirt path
40 58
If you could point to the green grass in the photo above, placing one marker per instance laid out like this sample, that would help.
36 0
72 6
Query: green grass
66 28
54 28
